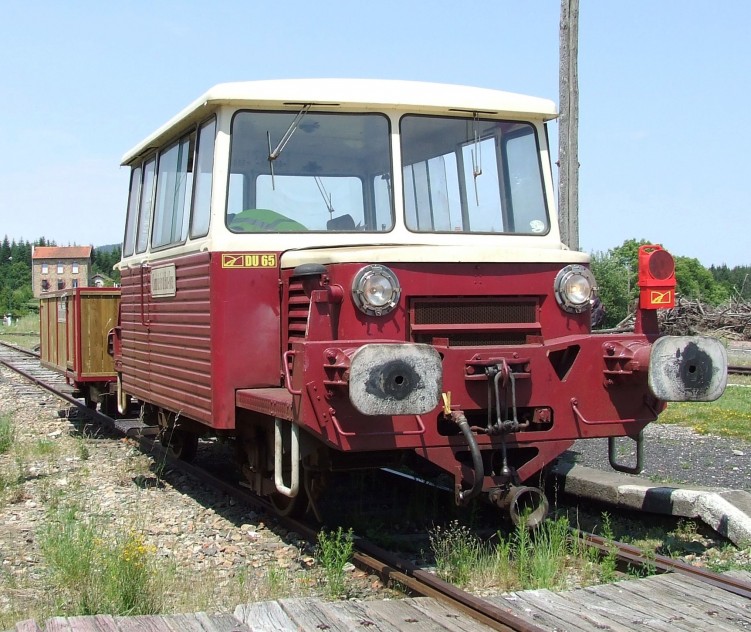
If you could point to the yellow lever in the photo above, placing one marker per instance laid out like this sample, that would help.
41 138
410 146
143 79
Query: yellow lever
446 403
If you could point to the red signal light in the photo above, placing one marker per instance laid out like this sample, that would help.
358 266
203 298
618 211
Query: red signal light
656 278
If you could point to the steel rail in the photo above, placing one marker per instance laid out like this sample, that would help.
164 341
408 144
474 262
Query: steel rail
630 554
739 370
28 352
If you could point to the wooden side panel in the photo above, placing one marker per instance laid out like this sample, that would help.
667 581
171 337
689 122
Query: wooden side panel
72 358
62 331
45 351
53 339
97 314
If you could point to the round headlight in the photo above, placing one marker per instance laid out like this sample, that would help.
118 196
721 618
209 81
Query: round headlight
375 290
574 287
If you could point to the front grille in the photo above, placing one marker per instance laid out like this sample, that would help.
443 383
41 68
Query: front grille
473 312
470 322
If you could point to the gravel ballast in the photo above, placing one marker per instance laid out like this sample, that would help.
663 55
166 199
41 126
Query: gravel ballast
223 554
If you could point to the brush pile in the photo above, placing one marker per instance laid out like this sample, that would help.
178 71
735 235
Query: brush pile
731 320
689 317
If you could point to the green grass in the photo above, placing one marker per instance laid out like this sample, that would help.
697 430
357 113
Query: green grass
7 434
95 570
729 416
24 332
544 558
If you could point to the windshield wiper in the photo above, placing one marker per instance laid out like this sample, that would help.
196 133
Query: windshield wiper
277 151
476 154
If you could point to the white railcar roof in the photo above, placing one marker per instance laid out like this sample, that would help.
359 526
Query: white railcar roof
363 94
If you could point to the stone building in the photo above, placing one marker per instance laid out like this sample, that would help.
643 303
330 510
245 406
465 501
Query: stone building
59 268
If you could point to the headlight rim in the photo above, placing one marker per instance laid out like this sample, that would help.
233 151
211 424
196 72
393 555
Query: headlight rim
359 296
563 298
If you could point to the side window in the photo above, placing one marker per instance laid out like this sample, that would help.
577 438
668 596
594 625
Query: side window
130 222
145 206
45 268
174 187
60 268
203 180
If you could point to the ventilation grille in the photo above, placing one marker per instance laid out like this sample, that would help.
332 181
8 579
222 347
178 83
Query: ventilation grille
298 306
472 322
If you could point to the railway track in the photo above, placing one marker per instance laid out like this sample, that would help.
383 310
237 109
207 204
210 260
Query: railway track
739 370
369 557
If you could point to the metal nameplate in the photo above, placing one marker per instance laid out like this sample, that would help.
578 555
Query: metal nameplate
163 281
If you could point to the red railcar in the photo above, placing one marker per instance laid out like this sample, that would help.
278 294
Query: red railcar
346 274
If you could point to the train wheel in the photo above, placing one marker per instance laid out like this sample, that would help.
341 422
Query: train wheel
181 444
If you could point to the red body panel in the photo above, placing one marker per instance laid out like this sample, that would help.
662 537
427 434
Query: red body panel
558 364
216 344
219 332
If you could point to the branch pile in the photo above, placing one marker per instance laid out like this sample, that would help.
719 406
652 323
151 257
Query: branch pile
731 320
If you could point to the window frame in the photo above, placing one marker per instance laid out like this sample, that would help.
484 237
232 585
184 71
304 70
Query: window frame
212 120
502 175
155 207
368 191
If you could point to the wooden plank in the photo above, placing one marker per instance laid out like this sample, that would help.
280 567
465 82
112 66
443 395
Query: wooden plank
106 623
714 599
265 616
666 601
29 625
83 624
637 612
402 614
358 614
220 623
512 602
183 623
561 609
57 624
448 618
142 623
311 614
607 609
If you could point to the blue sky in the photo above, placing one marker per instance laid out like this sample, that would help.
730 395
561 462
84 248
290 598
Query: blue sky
661 86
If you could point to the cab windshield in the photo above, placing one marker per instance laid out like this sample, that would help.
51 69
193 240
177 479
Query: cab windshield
471 175
309 171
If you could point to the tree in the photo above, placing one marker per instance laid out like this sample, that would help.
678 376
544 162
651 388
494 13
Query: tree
616 272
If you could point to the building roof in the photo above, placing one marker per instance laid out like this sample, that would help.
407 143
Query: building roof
62 252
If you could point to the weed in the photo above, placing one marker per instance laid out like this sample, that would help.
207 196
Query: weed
609 561
92 575
333 552
7 434
83 449
45 447
277 582
457 552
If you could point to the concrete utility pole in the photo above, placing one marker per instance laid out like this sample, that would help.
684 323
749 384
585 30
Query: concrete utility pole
568 128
